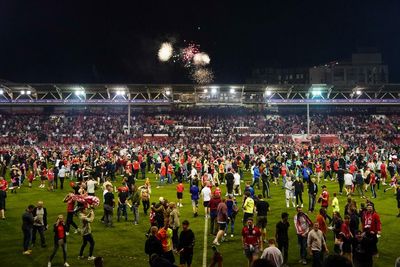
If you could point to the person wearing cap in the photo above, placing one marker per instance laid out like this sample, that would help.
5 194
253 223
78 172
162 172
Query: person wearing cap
251 240
40 223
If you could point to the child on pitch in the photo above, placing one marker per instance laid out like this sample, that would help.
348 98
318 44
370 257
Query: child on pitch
289 192
179 194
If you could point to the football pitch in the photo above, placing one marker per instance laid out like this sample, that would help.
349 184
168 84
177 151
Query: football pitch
123 245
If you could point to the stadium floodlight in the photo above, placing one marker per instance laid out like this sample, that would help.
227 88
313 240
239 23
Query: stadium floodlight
205 90
120 92
28 92
214 90
22 92
232 90
316 93
79 93
358 92
168 92
1 91
268 92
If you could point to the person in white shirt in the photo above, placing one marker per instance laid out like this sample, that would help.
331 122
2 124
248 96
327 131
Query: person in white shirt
236 184
61 175
273 254
90 185
289 192
348 182
206 194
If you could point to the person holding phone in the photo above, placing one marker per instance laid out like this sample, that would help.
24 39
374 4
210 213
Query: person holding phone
60 239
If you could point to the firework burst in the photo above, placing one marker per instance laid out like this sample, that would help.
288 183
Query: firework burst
165 52
188 53
201 59
202 75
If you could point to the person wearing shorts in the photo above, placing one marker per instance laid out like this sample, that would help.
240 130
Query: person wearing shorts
251 241
179 194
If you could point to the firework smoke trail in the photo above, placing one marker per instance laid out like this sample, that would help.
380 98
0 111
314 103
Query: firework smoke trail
201 59
202 75
165 52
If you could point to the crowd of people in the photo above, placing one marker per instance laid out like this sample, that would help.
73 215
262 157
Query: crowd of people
68 129
359 169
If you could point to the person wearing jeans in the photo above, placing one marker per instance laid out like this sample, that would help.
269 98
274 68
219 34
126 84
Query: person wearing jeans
302 224
316 245
312 194
27 226
40 223
87 217
60 239
135 198
108 206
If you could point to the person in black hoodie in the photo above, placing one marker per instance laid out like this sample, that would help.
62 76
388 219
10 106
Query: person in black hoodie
362 250
153 244
27 226
40 223
298 191
312 194
60 239
186 244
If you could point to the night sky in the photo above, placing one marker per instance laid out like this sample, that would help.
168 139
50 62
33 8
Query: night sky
105 42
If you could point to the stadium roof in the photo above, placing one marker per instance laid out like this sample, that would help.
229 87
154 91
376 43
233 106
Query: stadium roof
189 94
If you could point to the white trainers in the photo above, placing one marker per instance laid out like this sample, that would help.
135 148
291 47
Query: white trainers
66 264
91 258
49 264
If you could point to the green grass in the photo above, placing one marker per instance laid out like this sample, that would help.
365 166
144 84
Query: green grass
124 244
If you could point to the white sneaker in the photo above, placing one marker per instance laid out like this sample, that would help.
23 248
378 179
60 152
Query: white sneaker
66 264
67 233
301 205
76 231
49 264
231 235
91 258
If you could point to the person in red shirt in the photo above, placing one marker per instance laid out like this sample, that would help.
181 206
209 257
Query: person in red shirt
69 199
179 193
318 171
136 167
3 196
30 177
327 166
372 226
60 239
336 167
251 241
383 173
324 200
163 174
170 171
50 177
